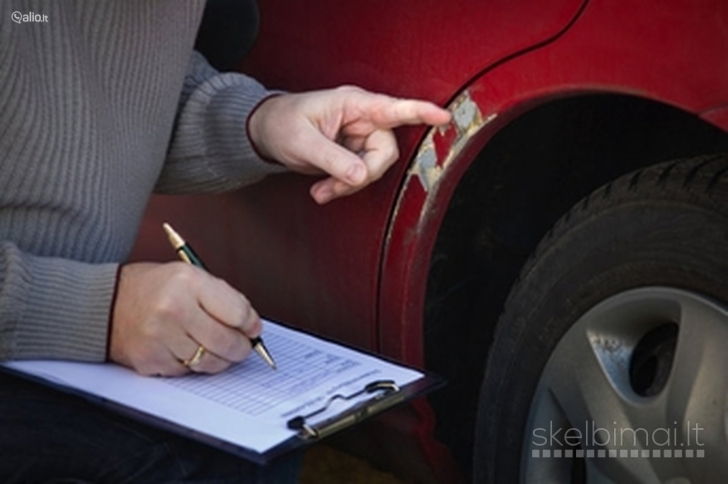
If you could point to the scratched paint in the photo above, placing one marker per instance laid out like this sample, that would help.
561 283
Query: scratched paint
467 120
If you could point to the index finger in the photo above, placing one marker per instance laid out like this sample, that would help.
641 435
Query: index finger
229 307
408 111
389 112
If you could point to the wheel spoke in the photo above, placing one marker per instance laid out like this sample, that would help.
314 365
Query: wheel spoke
608 470
695 396
591 398
700 367
631 428
583 389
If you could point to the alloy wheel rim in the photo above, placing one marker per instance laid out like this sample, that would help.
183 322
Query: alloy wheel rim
635 391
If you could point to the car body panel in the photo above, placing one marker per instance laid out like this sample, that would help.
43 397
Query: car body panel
319 266
621 42
356 269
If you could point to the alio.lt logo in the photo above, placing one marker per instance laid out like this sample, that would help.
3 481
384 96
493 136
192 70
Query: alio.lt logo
30 17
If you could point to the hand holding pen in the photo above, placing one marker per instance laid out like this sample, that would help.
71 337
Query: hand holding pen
164 313
187 254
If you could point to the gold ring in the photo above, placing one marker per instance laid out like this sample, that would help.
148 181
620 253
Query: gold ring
199 353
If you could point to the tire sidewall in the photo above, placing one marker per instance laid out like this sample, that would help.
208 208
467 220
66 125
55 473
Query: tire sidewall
659 231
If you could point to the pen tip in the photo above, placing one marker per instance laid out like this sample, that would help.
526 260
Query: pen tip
262 351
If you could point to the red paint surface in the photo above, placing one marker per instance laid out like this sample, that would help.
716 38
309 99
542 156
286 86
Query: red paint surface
319 266
356 269
679 56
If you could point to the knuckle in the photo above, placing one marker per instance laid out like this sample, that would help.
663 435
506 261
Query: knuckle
215 365
228 347
183 273
241 311
251 324
236 312
166 308
229 344
348 89
330 161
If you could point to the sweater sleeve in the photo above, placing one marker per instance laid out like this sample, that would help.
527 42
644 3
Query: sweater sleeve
53 308
210 150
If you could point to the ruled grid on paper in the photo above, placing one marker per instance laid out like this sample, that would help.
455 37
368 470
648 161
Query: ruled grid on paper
250 404
252 387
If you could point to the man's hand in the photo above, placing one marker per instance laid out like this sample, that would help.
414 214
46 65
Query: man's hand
345 133
164 312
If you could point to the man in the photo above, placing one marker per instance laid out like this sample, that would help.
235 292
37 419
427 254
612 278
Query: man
102 103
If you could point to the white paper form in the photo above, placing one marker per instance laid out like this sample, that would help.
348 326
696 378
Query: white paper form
247 405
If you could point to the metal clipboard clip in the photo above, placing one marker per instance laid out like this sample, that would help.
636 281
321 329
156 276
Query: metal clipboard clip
387 395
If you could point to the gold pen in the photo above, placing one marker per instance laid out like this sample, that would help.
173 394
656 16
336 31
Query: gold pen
185 252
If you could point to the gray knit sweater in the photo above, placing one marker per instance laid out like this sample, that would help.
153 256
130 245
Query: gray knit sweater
99 106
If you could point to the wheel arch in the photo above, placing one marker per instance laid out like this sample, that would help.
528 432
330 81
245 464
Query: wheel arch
525 169
507 200
607 50
595 83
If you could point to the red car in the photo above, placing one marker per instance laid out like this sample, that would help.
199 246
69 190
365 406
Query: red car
559 253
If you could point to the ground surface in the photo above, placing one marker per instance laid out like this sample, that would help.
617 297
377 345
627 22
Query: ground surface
325 465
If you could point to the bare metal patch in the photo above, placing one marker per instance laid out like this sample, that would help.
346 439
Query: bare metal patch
425 166
466 121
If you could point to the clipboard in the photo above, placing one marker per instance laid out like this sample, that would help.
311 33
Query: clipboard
355 386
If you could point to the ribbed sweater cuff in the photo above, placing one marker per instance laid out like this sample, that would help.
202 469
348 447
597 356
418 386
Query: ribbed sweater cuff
231 144
247 129
68 310
212 151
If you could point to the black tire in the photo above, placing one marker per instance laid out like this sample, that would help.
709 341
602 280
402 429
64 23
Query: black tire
666 225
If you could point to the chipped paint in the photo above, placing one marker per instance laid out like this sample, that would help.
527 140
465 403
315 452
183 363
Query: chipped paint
425 166
465 112
467 120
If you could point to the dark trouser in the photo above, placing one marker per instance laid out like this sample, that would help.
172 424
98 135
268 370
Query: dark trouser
47 436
